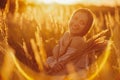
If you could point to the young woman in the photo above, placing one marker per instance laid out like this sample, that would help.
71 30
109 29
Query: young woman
80 23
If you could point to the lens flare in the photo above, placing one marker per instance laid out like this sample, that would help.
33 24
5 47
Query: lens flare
53 1
103 62
19 68
85 2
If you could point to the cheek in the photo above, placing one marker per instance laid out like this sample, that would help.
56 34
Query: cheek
70 27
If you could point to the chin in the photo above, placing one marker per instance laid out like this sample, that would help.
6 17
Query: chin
75 34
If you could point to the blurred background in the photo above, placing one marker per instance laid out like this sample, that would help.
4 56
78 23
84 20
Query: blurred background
29 29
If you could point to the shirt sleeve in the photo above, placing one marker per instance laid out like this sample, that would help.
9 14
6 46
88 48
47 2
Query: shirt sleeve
59 47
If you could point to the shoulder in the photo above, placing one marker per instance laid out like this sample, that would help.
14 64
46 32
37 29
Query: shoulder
78 42
66 35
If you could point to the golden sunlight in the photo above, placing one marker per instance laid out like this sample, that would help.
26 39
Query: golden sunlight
53 1
35 43
103 62
85 2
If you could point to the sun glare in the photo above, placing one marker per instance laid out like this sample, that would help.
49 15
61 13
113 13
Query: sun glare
53 1
85 2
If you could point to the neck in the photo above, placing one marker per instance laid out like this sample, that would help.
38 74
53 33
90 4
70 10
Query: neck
73 35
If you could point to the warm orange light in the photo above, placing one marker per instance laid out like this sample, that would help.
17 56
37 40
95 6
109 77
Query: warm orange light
103 62
85 2
53 1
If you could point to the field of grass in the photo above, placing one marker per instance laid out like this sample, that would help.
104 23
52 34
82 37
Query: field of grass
29 30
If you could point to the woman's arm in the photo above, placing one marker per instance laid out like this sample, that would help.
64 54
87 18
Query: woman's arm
56 51
92 44
62 46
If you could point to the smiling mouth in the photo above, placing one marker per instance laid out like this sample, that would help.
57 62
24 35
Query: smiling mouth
74 28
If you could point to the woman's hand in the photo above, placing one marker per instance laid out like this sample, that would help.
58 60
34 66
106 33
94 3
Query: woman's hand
57 67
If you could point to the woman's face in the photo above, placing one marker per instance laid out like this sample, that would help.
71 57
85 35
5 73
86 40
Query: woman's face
78 22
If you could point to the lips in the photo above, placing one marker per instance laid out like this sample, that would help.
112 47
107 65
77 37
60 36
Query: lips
74 27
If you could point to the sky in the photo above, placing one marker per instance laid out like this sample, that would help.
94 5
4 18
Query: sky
86 2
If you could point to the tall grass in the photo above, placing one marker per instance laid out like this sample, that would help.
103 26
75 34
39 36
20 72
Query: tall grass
48 23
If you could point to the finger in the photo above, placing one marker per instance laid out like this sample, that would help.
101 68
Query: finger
58 67
55 68
62 65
